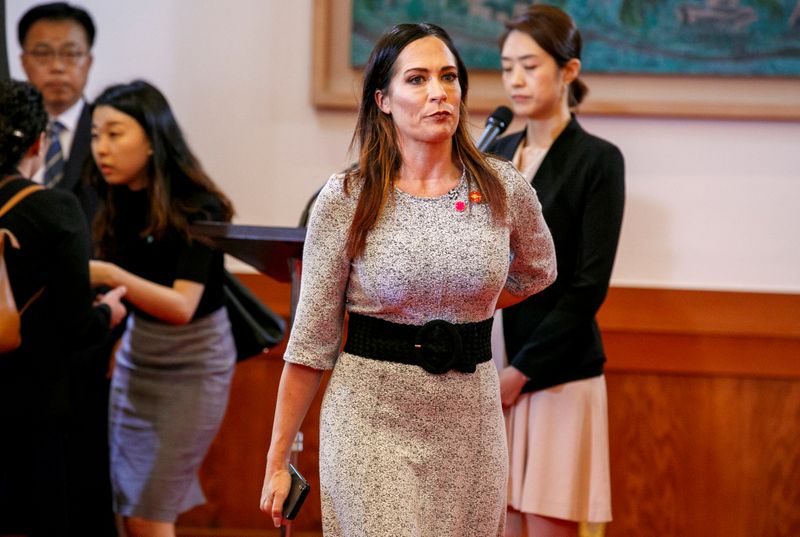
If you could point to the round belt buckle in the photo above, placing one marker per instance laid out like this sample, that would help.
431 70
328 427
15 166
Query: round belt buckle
438 346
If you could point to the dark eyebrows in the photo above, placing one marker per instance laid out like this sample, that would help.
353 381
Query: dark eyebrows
425 70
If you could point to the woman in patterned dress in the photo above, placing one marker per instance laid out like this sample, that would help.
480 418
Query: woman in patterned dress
418 243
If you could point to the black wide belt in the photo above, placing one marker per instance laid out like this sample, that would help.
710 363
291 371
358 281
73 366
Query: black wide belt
437 346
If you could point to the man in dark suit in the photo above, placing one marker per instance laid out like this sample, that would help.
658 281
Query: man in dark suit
56 40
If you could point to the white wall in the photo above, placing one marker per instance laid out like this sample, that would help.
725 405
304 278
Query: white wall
711 204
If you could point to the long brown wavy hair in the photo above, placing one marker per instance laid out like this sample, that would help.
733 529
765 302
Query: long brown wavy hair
375 135
174 173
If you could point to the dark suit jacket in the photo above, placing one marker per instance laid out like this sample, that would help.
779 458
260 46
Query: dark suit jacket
79 151
552 336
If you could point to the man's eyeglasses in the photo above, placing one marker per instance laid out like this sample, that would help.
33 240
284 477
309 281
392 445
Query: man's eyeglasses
45 56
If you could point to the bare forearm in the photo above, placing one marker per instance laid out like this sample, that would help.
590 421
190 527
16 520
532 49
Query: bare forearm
175 305
298 386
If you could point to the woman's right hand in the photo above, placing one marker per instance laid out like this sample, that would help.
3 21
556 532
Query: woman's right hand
296 390
277 483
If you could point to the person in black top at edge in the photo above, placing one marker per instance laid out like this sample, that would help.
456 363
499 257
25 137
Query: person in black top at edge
57 40
54 256
552 382
170 384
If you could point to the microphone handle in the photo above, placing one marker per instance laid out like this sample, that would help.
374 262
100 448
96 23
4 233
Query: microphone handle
487 137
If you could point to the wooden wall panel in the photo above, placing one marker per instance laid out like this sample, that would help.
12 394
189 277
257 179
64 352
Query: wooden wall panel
698 455
702 332
702 355
679 311
704 413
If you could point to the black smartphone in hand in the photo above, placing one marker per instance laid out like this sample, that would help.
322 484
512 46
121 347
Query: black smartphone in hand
297 494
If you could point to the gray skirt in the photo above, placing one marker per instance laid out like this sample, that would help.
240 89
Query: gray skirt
169 392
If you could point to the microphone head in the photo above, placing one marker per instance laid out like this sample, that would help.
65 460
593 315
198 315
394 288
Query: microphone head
501 118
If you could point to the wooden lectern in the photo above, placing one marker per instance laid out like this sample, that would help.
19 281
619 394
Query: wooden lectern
274 251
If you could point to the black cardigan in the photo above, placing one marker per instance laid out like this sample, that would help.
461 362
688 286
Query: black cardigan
552 337
62 323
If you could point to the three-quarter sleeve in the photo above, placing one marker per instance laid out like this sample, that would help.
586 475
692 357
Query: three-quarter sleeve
316 334
533 258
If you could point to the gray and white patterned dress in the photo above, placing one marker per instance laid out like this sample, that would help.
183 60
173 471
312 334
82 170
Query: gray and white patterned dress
404 452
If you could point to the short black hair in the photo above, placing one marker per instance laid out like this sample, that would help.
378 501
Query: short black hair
22 120
55 11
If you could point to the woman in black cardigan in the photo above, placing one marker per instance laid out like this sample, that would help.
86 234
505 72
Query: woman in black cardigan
552 382
36 481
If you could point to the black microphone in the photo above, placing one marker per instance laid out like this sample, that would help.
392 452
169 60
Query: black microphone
495 126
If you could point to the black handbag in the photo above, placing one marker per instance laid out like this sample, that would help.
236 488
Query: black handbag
255 327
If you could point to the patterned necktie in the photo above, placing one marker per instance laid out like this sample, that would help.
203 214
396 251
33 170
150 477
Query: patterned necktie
54 159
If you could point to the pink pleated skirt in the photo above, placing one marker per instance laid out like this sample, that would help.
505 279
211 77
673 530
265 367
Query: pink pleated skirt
558 452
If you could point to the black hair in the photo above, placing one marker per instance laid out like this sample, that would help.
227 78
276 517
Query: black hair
22 120
174 173
555 31
55 11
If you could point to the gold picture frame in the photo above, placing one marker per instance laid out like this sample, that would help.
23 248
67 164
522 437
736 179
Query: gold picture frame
336 85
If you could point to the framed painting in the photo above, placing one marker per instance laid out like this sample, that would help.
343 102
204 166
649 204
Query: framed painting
699 58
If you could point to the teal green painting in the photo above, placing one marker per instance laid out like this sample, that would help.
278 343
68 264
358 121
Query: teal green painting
662 37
